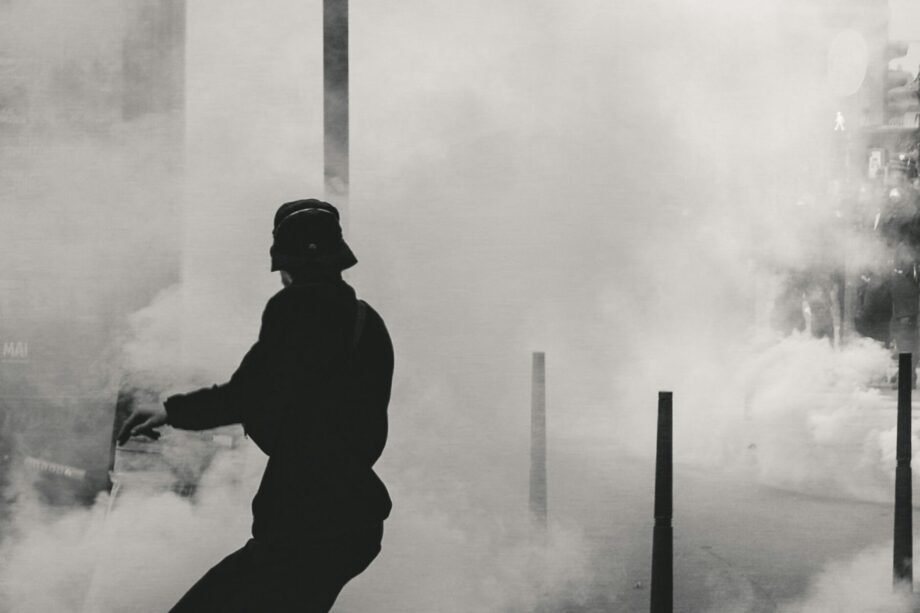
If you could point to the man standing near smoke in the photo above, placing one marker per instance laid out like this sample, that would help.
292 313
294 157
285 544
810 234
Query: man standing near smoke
900 227
313 394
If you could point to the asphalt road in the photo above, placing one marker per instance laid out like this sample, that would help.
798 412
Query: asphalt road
739 546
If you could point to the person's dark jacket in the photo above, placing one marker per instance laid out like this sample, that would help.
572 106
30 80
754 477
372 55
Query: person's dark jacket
899 221
873 306
905 290
316 404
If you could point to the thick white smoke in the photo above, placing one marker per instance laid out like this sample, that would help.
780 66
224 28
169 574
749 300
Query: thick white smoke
861 584
130 554
595 181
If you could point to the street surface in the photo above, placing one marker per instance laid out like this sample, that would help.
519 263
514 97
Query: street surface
738 546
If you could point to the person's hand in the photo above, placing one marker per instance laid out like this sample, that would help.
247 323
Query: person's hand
143 420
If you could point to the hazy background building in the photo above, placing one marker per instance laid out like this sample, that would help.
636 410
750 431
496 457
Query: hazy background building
91 143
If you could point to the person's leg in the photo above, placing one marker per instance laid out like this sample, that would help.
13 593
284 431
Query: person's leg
222 588
342 566
310 578
263 578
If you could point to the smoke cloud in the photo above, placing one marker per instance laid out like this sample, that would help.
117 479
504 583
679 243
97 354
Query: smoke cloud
862 584
621 185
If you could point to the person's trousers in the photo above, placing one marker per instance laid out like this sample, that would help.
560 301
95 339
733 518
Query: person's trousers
281 578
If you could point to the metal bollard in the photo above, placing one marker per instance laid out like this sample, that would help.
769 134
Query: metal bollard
538 496
903 577
662 597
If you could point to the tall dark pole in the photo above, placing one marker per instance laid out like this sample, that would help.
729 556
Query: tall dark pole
663 536
335 102
538 440
903 508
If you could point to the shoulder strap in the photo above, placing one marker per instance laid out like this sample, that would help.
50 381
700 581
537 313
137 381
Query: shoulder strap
360 316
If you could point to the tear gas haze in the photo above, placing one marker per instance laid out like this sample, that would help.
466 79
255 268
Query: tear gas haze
626 186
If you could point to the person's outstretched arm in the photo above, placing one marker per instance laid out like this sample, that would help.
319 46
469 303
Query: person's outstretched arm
214 406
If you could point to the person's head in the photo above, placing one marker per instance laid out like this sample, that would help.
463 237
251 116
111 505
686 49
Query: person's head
308 241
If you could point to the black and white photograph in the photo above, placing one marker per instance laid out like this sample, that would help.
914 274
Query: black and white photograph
459 306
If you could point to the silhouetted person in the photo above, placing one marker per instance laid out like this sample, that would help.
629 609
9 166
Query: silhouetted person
899 217
901 227
313 394
872 318
905 300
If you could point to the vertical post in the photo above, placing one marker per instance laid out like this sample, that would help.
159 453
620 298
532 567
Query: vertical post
179 26
903 508
663 536
335 103
538 440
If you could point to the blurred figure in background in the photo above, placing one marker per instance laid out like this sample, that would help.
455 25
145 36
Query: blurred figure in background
900 230
872 308
872 317
898 219
905 302
808 296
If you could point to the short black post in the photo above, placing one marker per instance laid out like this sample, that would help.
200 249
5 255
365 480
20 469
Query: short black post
903 507
663 537
538 440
